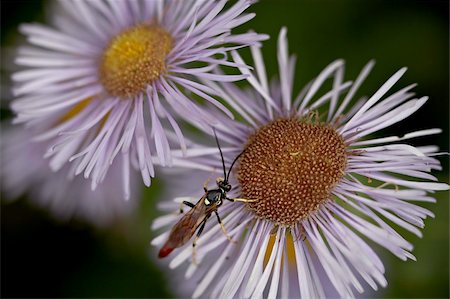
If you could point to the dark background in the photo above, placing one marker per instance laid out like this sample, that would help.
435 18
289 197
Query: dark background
41 257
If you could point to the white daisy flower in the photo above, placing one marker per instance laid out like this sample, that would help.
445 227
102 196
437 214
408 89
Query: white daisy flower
24 172
321 187
121 70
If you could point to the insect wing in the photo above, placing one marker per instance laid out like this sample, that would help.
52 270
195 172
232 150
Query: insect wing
184 229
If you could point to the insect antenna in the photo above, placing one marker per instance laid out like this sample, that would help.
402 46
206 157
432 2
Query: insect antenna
232 164
221 155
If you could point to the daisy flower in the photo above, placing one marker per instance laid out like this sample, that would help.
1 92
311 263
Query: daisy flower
322 186
23 171
110 75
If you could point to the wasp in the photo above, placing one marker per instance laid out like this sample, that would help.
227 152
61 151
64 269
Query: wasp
195 219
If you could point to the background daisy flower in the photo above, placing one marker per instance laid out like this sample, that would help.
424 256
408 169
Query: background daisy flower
322 186
109 75
23 171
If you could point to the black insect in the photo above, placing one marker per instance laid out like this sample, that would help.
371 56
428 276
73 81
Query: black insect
196 218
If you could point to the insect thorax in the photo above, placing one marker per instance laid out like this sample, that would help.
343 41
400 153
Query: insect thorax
214 196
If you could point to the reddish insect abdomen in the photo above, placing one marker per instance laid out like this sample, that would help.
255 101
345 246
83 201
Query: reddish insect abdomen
165 251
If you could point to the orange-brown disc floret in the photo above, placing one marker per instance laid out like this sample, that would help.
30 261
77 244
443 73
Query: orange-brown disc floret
290 167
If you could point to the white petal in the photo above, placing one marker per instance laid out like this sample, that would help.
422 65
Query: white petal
377 96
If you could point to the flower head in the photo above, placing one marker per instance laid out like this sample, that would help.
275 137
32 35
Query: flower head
110 75
24 171
319 185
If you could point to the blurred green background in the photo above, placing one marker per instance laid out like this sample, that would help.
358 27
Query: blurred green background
41 257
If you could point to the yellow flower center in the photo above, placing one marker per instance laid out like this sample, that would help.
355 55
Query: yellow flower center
133 59
290 167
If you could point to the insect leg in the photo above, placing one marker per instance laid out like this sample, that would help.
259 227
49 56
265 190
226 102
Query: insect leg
189 204
242 199
194 250
223 227
205 185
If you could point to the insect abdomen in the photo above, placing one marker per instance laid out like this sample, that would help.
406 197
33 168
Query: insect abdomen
165 251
